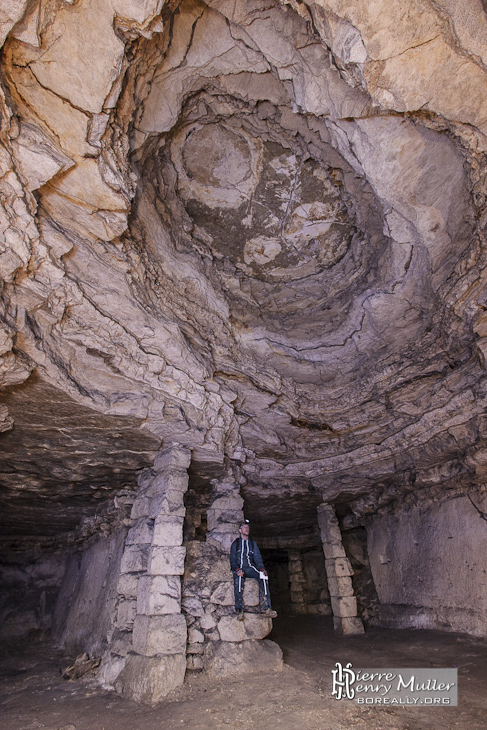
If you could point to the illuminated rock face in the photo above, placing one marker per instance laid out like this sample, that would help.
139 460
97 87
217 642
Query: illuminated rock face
257 231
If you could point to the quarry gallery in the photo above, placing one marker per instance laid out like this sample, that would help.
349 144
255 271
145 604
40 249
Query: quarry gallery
244 276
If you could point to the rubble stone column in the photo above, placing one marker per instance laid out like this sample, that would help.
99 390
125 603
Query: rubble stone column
297 581
149 618
219 642
339 574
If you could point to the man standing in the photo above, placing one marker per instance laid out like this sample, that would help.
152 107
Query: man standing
246 562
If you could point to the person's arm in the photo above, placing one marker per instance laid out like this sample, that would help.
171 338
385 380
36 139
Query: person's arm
233 556
258 558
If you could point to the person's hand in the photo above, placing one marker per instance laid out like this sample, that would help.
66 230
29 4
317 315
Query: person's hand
240 573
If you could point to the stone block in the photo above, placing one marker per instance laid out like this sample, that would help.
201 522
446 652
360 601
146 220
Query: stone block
195 636
340 586
145 478
338 567
208 621
126 612
228 501
128 585
169 502
166 561
176 457
134 559
172 480
217 518
348 626
328 523
150 679
193 605
168 531
251 593
333 551
141 532
344 606
140 508
195 649
159 595
252 627
223 595
223 539
224 659
121 643
159 634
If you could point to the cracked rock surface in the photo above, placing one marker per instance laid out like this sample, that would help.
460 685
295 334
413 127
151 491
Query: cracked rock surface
256 229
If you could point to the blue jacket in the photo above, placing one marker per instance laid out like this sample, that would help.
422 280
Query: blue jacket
245 552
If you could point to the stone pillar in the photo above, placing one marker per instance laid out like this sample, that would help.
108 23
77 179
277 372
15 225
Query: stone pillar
150 635
297 582
225 513
217 641
339 574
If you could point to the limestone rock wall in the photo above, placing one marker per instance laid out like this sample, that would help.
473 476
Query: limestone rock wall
83 614
428 563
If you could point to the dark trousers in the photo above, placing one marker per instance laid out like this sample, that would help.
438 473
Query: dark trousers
238 587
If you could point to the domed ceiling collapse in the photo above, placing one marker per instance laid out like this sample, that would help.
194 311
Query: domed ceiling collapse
257 229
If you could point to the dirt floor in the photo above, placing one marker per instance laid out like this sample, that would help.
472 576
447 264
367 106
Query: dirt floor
34 696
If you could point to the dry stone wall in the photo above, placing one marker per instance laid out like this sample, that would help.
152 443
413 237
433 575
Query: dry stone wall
147 653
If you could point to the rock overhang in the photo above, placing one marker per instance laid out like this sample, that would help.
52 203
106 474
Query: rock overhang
270 258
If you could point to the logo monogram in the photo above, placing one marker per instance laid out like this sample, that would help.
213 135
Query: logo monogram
343 679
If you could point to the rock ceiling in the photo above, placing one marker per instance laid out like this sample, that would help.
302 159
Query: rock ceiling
256 228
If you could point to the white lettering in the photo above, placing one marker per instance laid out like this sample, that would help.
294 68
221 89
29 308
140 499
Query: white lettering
402 684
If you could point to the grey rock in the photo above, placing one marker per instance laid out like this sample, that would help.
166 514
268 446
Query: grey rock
225 659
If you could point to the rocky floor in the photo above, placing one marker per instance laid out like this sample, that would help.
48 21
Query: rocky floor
34 696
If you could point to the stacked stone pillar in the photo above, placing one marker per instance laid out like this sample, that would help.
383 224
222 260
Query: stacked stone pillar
297 582
151 633
339 574
218 641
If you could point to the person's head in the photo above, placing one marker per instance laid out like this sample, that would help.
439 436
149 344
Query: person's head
244 529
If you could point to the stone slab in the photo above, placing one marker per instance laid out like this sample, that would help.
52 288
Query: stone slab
128 585
169 502
333 551
224 659
168 531
154 635
252 627
345 606
340 586
140 507
134 559
218 518
141 532
126 612
173 457
158 595
338 567
173 480
328 523
166 561
150 679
